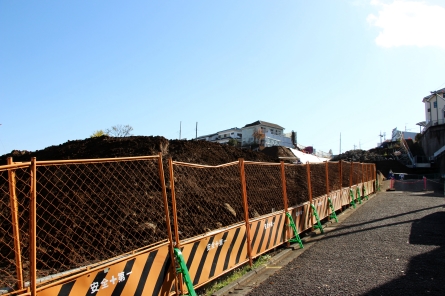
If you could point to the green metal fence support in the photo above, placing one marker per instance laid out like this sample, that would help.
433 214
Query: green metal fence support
333 215
183 269
358 195
351 194
318 226
364 193
297 238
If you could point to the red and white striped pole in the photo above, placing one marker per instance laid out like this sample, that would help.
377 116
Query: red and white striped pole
424 183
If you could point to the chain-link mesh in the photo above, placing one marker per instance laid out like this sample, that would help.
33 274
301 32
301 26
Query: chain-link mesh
90 212
264 189
334 176
356 173
296 184
207 198
368 172
345 174
9 276
318 179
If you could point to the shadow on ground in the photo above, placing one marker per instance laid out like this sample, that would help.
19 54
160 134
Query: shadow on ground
426 272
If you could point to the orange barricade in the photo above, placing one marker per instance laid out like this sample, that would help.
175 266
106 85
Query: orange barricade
104 226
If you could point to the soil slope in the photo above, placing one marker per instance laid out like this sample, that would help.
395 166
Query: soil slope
200 152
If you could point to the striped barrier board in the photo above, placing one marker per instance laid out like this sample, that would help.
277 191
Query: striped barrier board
345 199
215 254
148 273
354 192
322 206
267 233
336 200
301 216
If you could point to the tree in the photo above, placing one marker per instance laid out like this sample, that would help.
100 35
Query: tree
119 131
233 142
98 133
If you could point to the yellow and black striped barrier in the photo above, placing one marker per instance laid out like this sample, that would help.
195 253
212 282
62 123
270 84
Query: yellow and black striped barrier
148 273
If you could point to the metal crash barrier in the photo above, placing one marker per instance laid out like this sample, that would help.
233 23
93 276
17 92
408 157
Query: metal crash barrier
113 226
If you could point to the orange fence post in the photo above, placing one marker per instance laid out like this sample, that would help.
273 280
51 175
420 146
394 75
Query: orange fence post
167 215
327 179
246 209
15 225
175 220
340 171
33 228
309 188
350 182
285 201
350 175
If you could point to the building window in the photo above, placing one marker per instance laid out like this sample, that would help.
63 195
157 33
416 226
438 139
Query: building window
435 104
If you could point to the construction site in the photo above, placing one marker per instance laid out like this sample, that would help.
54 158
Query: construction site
151 216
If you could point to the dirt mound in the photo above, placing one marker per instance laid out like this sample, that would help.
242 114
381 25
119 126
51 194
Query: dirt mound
279 151
200 152
359 156
384 160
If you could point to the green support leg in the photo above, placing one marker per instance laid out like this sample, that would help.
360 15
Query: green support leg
351 194
297 238
333 215
358 195
183 269
318 226
364 193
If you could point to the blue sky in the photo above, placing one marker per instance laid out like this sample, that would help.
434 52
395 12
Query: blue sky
321 68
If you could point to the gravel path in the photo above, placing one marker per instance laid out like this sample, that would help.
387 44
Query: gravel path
393 244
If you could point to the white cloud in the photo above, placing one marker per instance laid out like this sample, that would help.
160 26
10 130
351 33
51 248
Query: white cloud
409 23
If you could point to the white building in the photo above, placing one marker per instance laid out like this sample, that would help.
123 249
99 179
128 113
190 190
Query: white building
435 108
264 133
223 136
406 135
260 132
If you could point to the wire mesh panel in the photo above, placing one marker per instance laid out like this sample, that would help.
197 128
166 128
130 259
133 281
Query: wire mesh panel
14 251
296 184
318 179
356 173
346 173
207 198
90 212
264 189
334 176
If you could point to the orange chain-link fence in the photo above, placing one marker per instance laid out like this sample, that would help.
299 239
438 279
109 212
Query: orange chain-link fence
334 176
318 179
206 197
81 213
264 188
296 184
91 211
15 180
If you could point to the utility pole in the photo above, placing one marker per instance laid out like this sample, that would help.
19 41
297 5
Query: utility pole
196 137
340 145
355 146
180 123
